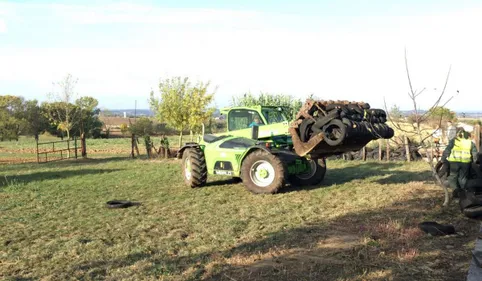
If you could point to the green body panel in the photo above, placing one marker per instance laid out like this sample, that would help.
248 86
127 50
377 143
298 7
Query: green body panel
214 153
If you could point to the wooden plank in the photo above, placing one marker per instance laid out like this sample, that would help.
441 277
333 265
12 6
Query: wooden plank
379 150
388 150
407 147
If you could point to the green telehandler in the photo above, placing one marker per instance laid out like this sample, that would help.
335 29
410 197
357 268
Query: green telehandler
266 150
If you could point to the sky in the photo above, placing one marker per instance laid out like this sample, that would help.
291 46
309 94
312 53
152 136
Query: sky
350 50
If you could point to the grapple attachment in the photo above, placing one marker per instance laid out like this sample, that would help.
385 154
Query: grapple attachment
325 128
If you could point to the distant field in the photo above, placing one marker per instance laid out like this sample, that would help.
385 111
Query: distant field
360 224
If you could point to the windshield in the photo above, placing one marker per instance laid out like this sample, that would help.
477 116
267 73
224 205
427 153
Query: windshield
274 115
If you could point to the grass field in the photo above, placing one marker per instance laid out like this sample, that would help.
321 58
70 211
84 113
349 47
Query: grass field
25 149
360 224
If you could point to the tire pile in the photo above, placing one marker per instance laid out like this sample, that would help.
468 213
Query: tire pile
342 121
396 154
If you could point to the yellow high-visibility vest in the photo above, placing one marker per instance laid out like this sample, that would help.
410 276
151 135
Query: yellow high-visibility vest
461 152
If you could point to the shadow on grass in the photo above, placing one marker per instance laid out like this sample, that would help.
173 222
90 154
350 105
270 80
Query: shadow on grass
227 181
40 176
374 169
365 170
63 163
360 171
377 244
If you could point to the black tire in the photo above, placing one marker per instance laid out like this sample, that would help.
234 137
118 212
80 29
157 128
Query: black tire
335 132
305 129
252 179
312 178
198 172
117 204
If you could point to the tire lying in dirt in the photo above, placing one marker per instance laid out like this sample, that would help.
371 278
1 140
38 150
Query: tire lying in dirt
194 169
313 177
263 172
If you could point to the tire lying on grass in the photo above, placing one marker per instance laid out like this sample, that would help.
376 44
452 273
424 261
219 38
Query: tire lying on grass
314 176
117 204
194 169
263 172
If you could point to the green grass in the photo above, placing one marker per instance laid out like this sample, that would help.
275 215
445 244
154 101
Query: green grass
360 224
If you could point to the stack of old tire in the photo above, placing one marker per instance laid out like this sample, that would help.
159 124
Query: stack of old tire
342 121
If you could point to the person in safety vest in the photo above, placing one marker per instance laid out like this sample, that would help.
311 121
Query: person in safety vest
460 153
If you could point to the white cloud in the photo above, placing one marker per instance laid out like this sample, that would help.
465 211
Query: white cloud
3 26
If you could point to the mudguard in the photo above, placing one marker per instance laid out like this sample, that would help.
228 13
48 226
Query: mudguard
185 146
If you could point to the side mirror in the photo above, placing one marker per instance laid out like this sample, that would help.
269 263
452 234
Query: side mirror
254 132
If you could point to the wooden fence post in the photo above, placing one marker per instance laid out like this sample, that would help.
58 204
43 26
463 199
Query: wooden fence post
388 150
380 149
407 147
132 145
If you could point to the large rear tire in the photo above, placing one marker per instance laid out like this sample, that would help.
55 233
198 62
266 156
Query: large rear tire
194 169
263 173
314 176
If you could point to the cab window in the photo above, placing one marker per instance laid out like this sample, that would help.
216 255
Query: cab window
273 115
242 119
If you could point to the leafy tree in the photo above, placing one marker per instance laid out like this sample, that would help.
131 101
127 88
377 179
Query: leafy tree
124 129
88 103
441 114
12 121
395 113
142 127
89 122
35 118
290 104
181 105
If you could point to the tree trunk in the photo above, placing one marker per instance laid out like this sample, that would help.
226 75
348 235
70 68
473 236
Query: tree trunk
180 139
132 145
68 139
83 146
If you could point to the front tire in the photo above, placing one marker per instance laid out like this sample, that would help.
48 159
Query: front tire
314 176
263 173
194 169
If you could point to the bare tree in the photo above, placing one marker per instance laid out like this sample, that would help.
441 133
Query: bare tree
421 117
64 113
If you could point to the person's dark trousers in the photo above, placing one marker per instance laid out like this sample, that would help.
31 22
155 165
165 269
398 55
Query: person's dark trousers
459 174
